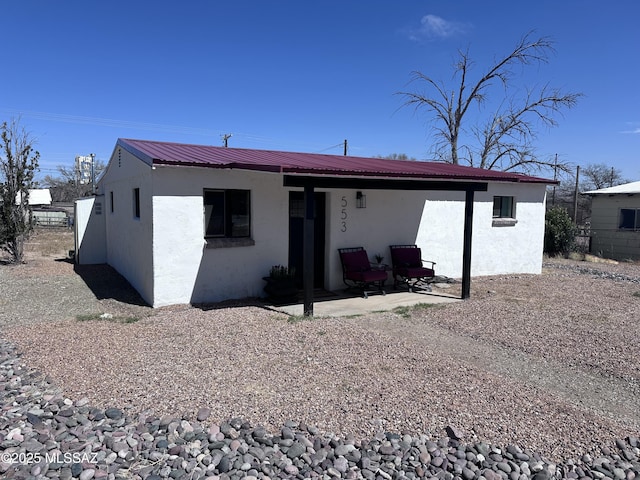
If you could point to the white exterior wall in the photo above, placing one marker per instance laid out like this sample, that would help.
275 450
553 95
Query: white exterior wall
129 239
606 238
435 222
390 217
164 254
510 249
495 249
189 271
39 196
89 224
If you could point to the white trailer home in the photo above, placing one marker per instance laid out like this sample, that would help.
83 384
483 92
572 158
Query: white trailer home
200 224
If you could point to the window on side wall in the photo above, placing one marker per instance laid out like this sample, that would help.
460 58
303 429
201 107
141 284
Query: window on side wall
136 203
504 211
629 219
227 214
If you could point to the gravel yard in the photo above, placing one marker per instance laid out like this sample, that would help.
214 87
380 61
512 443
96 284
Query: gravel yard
547 362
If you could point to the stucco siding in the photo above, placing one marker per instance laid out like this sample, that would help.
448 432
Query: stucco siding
164 254
90 240
510 249
187 270
441 231
495 249
435 222
129 239
390 217
607 239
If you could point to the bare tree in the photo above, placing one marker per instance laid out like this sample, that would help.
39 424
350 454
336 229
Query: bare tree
591 177
66 185
397 156
18 165
600 175
505 140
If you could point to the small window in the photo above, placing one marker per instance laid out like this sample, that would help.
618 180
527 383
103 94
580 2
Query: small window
97 208
503 207
136 203
227 213
111 201
629 219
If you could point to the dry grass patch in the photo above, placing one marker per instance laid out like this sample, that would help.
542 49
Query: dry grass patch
106 317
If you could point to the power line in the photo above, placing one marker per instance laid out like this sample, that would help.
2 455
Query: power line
341 144
177 129
108 122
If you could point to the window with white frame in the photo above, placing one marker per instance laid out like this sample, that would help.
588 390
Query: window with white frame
227 213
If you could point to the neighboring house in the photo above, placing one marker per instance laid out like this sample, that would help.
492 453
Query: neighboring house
198 224
39 197
42 213
615 221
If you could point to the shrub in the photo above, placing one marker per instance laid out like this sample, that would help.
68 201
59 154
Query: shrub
559 232
280 271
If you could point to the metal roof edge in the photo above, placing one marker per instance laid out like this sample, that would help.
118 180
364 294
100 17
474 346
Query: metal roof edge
418 176
123 143
239 166
472 174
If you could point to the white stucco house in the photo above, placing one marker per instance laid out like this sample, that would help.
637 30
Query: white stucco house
199 224
615 221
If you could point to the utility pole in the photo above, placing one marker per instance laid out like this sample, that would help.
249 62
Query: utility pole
225 139
77 175
345 147
611 180
575 196
93 172
555 179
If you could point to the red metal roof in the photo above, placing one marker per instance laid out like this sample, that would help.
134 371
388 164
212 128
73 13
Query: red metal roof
178 154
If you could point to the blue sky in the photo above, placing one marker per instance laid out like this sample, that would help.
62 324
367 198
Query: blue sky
303 75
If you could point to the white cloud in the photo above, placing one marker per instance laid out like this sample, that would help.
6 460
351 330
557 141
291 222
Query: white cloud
433 26
635 131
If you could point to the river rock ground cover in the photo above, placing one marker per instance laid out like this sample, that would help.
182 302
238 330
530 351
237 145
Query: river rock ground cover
532 363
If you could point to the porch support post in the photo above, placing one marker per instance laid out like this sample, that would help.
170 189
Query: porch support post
307 251
466 249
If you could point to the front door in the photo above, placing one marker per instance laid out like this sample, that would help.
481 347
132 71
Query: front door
296 232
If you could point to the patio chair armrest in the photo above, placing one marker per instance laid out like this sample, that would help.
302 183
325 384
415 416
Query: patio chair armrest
433 264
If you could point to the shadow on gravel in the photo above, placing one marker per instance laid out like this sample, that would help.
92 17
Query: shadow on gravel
106 283
241 302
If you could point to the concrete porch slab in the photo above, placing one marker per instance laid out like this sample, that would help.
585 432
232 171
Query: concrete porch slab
343 307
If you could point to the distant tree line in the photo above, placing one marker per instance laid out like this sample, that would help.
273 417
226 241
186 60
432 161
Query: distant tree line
397 156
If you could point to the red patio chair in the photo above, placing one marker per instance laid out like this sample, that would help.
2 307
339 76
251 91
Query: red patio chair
357 271
408 269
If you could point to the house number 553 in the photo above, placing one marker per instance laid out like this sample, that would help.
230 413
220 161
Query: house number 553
343 215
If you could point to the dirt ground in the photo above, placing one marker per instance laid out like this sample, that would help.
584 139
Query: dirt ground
49 287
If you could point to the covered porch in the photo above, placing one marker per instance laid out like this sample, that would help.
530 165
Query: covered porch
310 183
